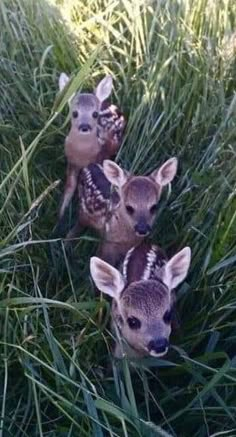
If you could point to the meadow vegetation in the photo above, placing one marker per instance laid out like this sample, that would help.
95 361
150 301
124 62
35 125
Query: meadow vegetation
174 69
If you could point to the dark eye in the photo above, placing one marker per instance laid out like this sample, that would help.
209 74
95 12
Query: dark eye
75 114
95 114
129 209
134 323
167 317
153 209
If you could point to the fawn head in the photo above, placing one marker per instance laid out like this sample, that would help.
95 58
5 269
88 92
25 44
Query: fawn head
142 309
85 107
140 194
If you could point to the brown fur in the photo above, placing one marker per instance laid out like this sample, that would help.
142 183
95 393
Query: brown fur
114 225
107 213
146 299
101 141
143 296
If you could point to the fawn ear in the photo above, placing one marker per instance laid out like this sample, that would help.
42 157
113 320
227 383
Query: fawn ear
104 88
115 174
63 80
166 173
106 278
176 269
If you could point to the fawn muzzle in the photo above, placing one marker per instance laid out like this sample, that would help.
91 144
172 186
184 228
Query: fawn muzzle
142 227
158 346
85 128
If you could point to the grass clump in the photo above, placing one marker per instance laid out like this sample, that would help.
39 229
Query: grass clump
174 68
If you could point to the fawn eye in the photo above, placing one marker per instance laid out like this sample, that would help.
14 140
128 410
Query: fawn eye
120 320
167 317
75 114
95 114
129 209
134 323
153 209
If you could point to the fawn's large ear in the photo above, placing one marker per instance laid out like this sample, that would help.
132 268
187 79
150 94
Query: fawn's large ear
115 174
107 279
63 80
176 269
166 173
104 88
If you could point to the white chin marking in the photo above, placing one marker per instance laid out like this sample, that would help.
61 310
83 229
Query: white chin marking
160 354
142 235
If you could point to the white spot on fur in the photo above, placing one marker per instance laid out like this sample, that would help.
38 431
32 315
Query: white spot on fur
126 261
83 206
107 227
151 260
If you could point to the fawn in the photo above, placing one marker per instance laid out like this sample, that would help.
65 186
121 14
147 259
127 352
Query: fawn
95 134
123 217
143 297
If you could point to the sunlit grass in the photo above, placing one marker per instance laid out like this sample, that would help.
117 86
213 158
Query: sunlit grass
174 72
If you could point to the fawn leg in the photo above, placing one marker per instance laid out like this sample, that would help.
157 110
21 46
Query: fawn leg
73 233
72 174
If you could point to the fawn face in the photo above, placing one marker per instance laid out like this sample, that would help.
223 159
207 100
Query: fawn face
142 309
85 107
140 194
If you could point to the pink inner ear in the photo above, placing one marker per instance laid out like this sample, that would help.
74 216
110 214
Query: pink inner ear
167 171
105 275
113 171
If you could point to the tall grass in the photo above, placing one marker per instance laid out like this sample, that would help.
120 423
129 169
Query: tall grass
173 64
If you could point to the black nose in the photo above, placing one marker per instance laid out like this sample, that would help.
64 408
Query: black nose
142 228
84 127
158 345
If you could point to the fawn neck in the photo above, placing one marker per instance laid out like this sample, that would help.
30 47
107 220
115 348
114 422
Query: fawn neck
81 149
